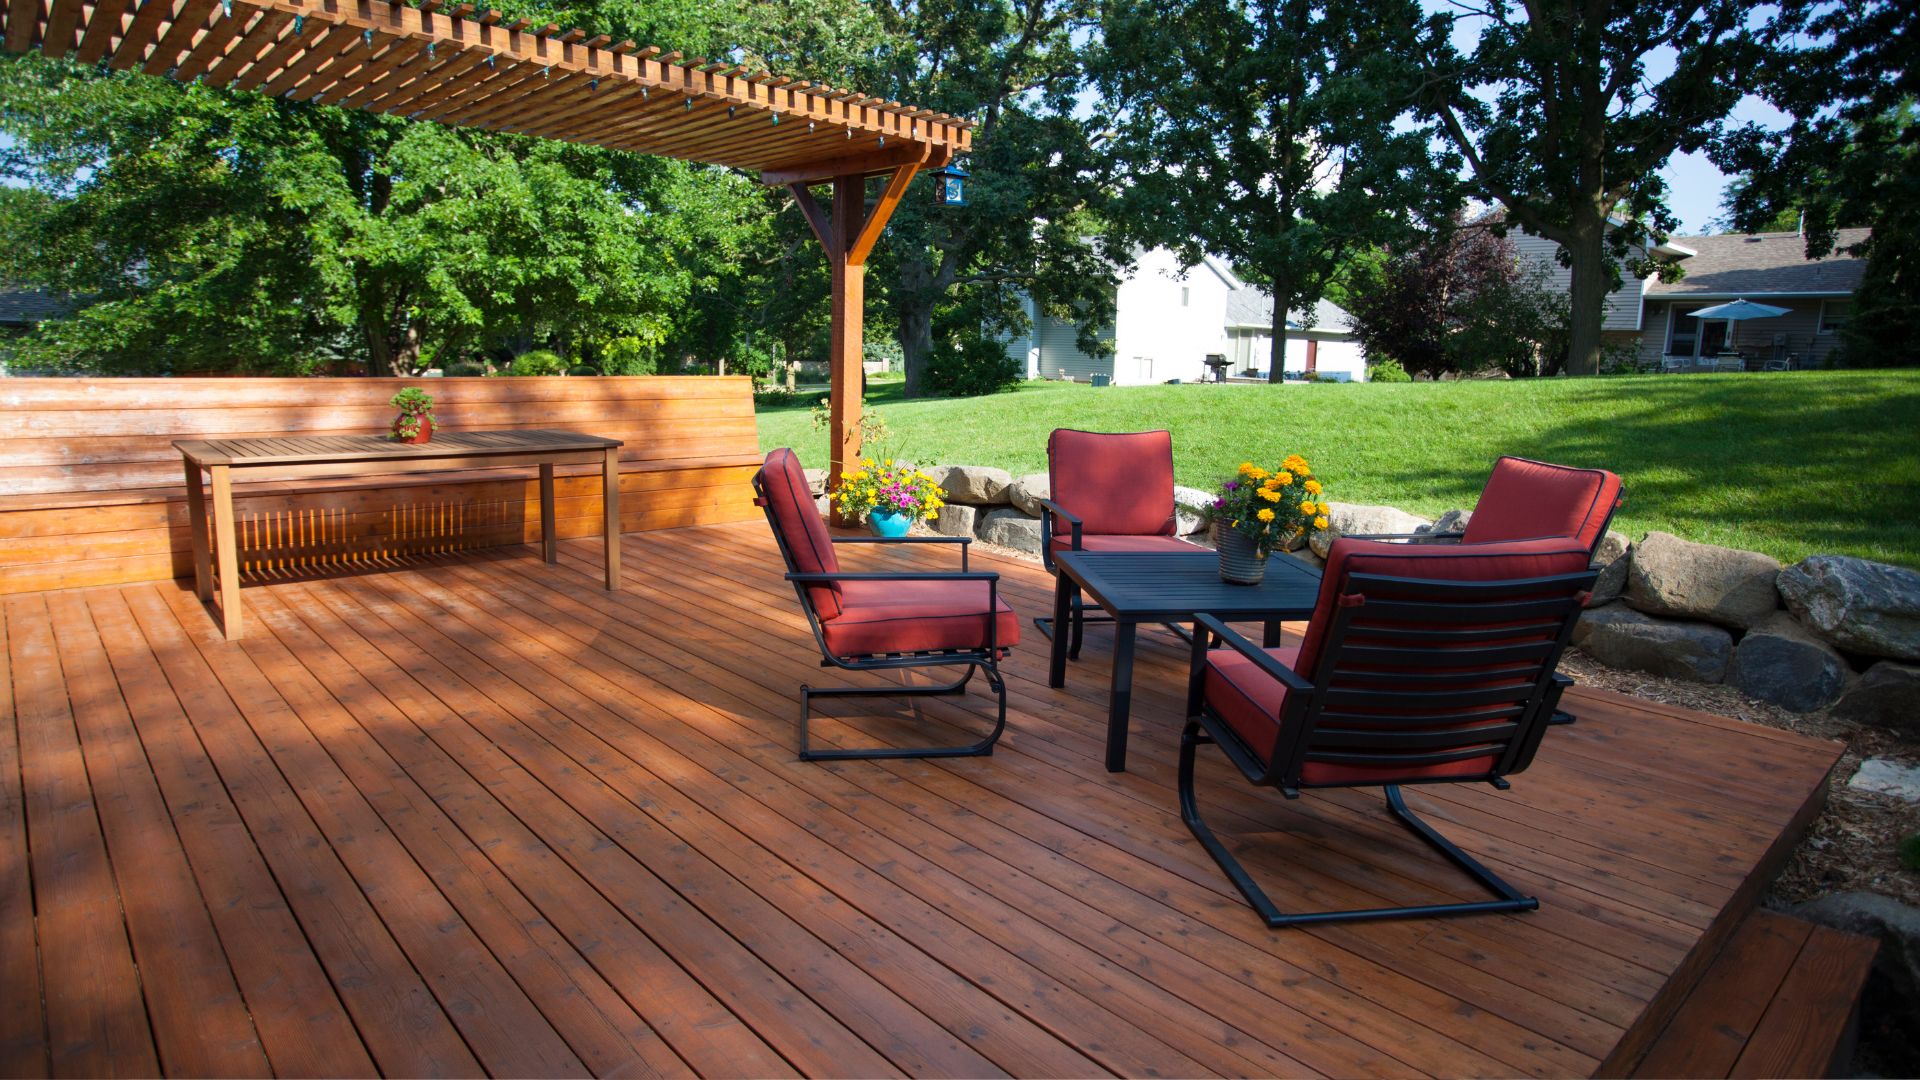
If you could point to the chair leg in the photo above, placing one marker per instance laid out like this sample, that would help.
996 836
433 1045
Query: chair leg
1510 898
981 748
1079 626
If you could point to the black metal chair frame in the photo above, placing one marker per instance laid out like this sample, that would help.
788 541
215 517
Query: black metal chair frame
1078 607
1536 604
983 659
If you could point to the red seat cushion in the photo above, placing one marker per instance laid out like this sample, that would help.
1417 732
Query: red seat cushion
1525 500
1251 702
809 546
1098 542
915 616
1117 484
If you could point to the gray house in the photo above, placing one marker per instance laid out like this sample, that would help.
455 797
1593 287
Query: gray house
1766 268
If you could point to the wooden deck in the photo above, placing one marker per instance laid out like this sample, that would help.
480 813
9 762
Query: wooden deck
477 815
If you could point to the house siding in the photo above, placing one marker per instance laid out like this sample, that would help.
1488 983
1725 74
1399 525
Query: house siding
1623 309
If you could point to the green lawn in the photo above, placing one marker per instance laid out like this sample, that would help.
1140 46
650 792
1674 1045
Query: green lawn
1791 464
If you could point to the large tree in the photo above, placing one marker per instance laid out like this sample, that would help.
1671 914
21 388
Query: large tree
1565 111
1273 133
1850 156
1032 224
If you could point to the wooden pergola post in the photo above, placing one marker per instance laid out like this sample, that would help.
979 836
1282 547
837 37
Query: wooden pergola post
848 238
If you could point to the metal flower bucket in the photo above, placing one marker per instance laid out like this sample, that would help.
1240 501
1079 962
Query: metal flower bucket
1240 562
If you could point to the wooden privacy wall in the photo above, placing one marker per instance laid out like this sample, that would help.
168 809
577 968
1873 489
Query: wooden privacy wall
92 491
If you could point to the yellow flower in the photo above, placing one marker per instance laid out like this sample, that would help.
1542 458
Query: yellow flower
1270 495
852 476
1320 522
1265 515
1325 509
1284 478
1313 487
1246 468
1307 507
1257 474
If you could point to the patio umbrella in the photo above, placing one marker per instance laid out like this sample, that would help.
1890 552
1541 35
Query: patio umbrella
1739 309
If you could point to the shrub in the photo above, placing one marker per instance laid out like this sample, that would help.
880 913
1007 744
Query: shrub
583 369
538 362
627 355
463 369
1910 852
1388 370
968 366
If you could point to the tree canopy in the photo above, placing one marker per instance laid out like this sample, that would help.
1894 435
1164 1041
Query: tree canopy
1565 112
1273 133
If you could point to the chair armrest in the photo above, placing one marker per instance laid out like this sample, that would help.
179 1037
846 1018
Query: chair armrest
1417 538
963 541
1263 660
929 575
1051 508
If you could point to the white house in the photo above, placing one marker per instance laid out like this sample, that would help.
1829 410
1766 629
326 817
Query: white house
1171 318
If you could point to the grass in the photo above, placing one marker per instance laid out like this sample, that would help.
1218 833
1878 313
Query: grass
1789 463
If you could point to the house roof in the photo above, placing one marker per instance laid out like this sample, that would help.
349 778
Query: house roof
25 307
1249 307
1764 264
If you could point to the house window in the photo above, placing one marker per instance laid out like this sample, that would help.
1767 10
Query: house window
1682 332
1833 315
1186 294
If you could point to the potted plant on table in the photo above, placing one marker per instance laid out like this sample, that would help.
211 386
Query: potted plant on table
1259 511
415 422
891 496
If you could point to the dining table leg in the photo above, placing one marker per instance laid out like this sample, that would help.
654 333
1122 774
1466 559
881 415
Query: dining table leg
226 551
549 543
1270 634
197 524
610 506
1063 589
1120 697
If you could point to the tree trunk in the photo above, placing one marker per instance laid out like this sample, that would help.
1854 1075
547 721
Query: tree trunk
1587 296
1280 286
916 341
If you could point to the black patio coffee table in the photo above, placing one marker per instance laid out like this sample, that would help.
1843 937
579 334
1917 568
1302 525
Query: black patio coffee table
1167 587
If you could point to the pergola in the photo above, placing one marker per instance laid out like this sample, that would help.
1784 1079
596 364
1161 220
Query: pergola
470 68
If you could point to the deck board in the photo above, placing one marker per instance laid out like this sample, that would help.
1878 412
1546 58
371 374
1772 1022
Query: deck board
478 815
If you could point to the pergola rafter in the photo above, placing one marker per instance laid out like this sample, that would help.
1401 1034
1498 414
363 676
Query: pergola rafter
470 68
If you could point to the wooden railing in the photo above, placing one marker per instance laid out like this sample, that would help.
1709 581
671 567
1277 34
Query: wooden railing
93 493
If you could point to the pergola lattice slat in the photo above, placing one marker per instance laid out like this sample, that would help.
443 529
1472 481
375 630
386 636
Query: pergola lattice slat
478 72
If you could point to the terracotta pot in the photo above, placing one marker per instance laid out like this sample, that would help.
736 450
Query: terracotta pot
425 434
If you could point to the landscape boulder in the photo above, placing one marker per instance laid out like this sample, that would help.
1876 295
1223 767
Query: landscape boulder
1886 776
955 519
1887 695
1859 605
1681 579
936 473
1011 528
1613 559
1453 521
1895 924
1190 509
1621 637
1026 492
1781 663
976 485
817 481
1350 519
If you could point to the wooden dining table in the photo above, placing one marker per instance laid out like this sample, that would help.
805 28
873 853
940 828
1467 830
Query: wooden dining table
217 462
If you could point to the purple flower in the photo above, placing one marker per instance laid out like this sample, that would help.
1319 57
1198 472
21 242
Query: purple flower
1219 504
1233 485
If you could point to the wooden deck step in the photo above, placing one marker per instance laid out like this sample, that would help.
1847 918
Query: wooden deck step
1780 1000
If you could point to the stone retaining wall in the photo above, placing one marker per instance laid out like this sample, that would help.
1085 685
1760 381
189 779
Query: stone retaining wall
1831 631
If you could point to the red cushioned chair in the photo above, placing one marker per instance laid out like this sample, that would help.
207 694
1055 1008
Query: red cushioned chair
1109 492
1420 665
1527 500
885 621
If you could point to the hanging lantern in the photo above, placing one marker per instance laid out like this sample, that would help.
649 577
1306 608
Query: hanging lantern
950 186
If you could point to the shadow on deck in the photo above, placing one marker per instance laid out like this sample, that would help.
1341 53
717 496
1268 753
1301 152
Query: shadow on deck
476 815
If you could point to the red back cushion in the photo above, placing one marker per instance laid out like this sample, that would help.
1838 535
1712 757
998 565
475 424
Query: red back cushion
1525 500
1430 562
1118 484
809 547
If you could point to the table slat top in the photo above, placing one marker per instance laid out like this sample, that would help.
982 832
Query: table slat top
317 449
1155 585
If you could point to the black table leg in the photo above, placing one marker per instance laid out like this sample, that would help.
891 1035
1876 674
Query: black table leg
1063 590
1270 637
1120 698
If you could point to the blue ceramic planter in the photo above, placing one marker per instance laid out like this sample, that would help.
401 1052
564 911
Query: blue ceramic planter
887 523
